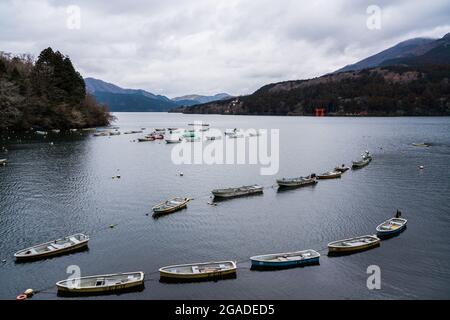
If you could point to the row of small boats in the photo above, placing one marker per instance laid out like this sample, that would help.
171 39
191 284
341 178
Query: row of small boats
214 270
178 203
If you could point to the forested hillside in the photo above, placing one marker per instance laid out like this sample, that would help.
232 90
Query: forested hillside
47 94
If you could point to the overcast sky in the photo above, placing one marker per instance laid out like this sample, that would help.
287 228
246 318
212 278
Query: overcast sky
176 47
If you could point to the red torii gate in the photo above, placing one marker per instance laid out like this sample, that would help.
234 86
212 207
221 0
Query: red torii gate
320 112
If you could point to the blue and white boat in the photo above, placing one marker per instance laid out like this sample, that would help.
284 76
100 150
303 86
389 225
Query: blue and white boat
391 227
285 260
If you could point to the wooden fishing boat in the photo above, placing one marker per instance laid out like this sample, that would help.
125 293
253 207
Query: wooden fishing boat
361 163
237 192
173 139
352 245
170 206
104 283
391 227
285 260
330 175
114 133
232 131
56 131
158 136
160 129
198 271
147 138
42 133
53 248
297 182
420 144
342 168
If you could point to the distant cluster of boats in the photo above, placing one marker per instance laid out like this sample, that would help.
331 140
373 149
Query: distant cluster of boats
178 135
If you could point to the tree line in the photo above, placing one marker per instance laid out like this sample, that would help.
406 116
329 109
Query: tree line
46 93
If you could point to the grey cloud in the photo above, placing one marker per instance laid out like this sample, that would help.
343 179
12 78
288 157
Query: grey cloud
201 46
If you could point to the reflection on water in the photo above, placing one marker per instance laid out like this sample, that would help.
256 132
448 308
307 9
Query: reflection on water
49 191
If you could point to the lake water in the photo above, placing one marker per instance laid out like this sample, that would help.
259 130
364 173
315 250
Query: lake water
49 191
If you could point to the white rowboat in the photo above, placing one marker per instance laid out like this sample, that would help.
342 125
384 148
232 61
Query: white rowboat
52 248
101 283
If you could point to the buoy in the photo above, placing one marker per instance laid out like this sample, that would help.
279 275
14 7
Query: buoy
421 167
29 292
21 296
111 226
181 174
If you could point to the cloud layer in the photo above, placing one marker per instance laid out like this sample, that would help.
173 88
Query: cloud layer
178 47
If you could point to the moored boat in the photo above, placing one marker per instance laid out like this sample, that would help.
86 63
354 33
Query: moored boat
361 163
172 139
285 260
114 133
297 182
170 206
102 283
198 271
352 245
52 248
342 168
232 131
146 138
158 136
420 144
3 161
330 175
237 192
391 227
42 133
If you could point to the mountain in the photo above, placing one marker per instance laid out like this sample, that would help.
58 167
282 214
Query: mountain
438 53
132 100
382 91
193 99
405 52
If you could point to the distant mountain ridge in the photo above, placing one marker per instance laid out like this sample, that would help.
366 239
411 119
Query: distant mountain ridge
407 52
137 100
133 100
193 99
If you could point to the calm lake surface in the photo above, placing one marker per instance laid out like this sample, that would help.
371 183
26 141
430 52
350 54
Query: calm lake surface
49 191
